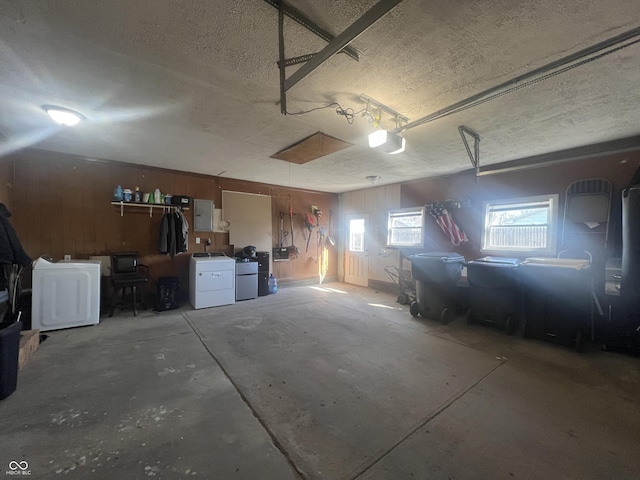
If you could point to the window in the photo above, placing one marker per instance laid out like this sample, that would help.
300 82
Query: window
406 227
521 225
356 235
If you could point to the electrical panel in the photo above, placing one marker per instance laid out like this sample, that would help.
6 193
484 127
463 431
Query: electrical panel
203 215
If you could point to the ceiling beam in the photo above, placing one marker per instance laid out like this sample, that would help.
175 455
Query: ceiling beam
337 44
299 17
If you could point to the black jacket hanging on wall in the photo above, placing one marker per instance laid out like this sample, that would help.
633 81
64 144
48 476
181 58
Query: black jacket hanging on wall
11 251
174 230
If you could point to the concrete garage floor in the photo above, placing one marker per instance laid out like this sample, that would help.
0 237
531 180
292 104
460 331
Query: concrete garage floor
331 382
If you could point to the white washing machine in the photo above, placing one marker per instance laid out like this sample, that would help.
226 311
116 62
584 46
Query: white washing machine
211 280
65 294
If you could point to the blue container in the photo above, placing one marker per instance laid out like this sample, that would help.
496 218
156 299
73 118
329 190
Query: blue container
117 193
273 285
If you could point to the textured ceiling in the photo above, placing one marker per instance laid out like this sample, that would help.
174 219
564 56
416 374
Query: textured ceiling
194 85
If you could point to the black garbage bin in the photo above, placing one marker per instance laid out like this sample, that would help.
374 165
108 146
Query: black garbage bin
494 292
436 275
9 349
168 294
557 299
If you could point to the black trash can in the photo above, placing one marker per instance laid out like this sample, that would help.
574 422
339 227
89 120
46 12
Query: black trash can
9 349
168 294
619 328
436 275
557 299
494 292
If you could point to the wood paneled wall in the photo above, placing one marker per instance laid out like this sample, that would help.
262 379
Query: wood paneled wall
307 265
617 168
61 205
375 201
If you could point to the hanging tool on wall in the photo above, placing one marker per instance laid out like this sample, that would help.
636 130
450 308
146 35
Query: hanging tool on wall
309 222
293 250
317 213
281 252
281 244
332 240
323 258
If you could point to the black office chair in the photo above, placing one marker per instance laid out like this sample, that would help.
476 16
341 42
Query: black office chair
126 272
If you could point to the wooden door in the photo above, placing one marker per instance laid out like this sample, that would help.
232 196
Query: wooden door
356 261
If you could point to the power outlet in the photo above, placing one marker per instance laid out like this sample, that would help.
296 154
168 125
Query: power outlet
198 240
67 258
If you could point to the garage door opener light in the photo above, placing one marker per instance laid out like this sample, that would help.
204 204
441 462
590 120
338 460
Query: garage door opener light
384 140
387 142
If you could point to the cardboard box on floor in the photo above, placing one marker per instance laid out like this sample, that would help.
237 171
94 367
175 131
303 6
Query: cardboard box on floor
29 343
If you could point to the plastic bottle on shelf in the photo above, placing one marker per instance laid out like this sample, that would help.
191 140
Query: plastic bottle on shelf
117 193
273 284
136 197
157 196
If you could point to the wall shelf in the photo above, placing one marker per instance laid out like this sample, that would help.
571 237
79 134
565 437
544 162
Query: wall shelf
165 208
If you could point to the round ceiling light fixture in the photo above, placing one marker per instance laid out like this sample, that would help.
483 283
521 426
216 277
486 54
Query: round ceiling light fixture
63 116
373 179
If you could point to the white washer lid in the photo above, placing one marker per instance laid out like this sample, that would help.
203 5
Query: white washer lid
42 263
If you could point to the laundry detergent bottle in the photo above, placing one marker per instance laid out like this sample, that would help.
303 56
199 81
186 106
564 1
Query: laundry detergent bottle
118 193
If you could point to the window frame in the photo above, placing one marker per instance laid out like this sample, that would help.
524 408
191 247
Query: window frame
400 212
552 226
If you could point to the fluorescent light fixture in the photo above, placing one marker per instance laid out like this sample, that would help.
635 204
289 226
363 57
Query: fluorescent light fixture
388 142
63 116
